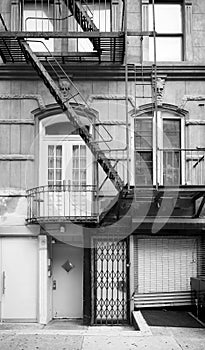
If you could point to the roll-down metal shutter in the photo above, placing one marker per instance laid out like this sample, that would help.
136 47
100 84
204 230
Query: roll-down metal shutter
164 267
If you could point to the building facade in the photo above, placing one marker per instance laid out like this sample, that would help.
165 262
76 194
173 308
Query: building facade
102 153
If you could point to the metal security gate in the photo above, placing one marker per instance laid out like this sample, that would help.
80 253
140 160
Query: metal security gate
110 282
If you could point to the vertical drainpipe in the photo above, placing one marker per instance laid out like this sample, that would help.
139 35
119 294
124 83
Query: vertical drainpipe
155 92
126 95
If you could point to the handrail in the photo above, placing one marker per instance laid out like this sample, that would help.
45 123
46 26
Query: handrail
3 22
61 187
48 202
172 149
83 3
45 19
87 7
123 16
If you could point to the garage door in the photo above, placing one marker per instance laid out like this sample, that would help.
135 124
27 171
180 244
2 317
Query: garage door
166 264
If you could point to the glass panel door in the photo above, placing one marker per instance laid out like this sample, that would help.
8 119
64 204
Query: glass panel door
67 175
143 152
171 151
81 197
55 174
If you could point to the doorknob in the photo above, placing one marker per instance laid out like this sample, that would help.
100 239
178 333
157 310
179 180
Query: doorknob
3 282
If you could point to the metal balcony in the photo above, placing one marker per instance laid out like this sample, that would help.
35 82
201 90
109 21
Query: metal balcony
182 166
57 203
182 192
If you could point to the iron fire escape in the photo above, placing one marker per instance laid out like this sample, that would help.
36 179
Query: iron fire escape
15 48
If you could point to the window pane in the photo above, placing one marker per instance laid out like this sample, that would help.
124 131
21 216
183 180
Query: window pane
143 133
75 175
171 133
171 168
76 151
75 163
167 49
50 162
50 175
82 176
82 151
168 18
58 162
63 128
83 163
50 151
143 168
58 175
58 151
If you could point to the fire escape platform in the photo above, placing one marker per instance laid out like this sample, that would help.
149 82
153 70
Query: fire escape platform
177 207
83 220
109 46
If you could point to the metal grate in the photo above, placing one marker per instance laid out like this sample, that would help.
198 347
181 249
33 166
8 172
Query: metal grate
110 282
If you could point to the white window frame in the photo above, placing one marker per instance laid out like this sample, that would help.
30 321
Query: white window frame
185 34
167 35
160 119
65 141
158 173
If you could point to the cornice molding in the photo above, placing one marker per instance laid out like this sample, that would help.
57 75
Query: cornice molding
163 107
53 109
179 71
17 121
35 97
11 157
194 122
12 192
111 97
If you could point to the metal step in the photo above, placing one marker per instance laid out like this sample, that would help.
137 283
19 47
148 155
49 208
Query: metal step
11 51
178 298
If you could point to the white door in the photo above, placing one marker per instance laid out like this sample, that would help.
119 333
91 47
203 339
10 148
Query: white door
19 279
67 281
67 171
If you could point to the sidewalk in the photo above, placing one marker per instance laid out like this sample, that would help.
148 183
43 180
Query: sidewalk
37 337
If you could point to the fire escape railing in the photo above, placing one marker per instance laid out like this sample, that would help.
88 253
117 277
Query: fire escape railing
68 202
182 166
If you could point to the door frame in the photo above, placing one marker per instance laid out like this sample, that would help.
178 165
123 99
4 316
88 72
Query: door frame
66 141
125 320
53 279
5 268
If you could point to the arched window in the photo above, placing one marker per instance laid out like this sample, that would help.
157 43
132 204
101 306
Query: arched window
158 146
64 156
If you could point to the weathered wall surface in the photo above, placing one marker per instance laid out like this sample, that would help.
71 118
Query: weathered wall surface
18 137
18 132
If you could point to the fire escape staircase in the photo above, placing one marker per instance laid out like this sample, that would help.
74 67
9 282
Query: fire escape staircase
107 48
16 50
80 11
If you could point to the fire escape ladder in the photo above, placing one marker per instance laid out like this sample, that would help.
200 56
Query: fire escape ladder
93 145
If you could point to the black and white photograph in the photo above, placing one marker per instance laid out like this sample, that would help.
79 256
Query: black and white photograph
102 174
